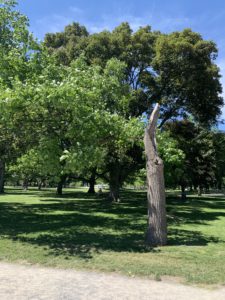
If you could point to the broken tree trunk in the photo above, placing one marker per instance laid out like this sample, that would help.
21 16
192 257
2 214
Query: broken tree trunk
157 227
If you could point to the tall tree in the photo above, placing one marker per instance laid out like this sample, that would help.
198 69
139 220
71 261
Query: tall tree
200 153
16 43
188 84
177 69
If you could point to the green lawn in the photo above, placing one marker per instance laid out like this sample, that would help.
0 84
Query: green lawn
83 231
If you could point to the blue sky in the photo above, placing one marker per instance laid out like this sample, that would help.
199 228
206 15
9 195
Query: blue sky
206 17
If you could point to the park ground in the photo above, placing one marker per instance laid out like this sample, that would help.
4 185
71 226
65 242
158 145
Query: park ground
41 283
85 232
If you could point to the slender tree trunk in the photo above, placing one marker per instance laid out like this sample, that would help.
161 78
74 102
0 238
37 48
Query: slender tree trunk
157 225
114 183
92 182
199 190
183 192
60 185
39 185
2 176
25 184
219 184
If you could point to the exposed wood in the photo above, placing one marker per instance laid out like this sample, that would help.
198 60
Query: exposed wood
157 225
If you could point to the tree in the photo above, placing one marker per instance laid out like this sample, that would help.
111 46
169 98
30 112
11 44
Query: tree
177 68
157 228
197 143
39 163
16 42
86 105
188 84
172 156
67 45
187 77
219 145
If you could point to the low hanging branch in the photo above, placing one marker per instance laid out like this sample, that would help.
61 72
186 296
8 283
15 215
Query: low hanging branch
157 227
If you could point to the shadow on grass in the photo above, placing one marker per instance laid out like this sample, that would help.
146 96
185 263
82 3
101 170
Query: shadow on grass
81 224
178 237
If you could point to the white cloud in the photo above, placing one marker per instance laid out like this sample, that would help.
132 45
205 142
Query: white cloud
54 23
76 10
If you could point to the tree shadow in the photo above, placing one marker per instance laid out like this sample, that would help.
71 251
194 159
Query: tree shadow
178 237
81 224
78 227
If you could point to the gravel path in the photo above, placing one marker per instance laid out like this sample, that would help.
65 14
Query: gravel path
19 282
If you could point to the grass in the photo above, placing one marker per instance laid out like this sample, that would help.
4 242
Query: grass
83 231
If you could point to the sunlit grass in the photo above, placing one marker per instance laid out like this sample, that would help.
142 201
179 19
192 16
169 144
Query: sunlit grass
83 231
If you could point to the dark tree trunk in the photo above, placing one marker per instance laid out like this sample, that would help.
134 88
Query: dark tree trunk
114 183
199 190
183 193
157 225
219 184
59 188
92 182
25 184
114 193
39 185
2 176
60 185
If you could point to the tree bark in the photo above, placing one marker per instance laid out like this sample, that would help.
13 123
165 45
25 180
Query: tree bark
25 184
199 190
157 225
92 182
114 183
183 192
2 176
39 185
60 184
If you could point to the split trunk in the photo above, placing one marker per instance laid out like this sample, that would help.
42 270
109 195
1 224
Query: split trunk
157 226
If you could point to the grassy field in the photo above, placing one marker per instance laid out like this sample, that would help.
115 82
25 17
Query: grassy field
83 231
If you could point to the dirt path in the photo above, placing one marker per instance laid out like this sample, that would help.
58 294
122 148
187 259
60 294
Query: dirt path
19 282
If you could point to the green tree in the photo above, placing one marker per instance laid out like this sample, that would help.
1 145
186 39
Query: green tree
82 108
177 70
16 43
219 144
188 77
200 154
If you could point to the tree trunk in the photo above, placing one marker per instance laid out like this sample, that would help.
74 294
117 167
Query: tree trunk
39 185
183 193
114 193
157 225
91 182
199 190
114 183
60 184
219 184
2 176
25 184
